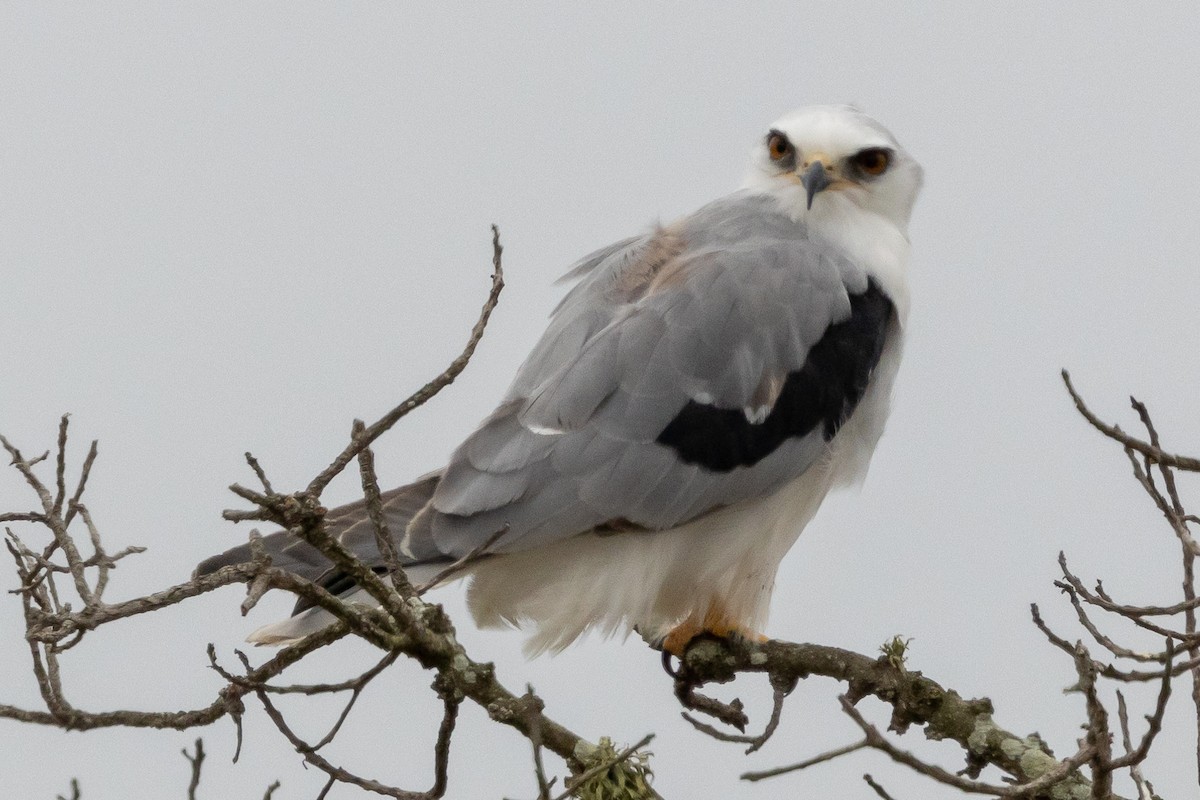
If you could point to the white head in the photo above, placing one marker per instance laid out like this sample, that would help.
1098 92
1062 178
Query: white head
830 160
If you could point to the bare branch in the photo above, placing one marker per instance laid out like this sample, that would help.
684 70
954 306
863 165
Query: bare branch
879 790
1098 739
55 523
1135 770
258 471
383 537
1134 757
755 742
429 390
196 761
828 755
913 697
1144 611
335 773
75 795
84 473
877 740
60 465
1101 639
1117 435
535 740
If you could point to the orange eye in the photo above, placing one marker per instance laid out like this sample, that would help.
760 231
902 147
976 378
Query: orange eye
778 146
873 161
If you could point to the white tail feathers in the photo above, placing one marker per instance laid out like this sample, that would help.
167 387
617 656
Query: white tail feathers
309 621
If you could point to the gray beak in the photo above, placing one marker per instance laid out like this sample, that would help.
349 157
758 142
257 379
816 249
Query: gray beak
815 178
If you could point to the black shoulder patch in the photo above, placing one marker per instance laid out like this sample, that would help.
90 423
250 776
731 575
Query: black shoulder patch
823 392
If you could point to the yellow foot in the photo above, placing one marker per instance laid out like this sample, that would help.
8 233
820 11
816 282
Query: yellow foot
714 623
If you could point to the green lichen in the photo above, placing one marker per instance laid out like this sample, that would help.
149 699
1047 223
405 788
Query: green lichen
628 779
1028 753
1013 748
1035 762
1032 759
895 650
978 740
1076 790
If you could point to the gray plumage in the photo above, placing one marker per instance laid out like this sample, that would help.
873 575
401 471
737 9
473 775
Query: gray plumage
705 310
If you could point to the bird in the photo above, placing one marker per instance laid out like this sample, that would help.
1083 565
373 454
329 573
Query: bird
698 392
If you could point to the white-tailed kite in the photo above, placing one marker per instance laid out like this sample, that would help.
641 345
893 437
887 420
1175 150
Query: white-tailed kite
695 397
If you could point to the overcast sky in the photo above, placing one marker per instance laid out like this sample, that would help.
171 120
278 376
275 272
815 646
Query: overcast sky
229 227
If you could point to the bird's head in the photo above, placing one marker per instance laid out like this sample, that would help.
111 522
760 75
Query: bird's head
829 160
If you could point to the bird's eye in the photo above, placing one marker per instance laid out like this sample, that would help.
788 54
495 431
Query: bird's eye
873 160
778 146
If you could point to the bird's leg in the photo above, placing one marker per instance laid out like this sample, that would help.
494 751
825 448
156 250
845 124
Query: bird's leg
715 622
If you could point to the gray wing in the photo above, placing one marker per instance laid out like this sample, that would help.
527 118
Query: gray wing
706 363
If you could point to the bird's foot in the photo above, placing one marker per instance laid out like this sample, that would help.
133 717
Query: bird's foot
714 623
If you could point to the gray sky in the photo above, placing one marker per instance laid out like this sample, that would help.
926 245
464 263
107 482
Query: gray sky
228 228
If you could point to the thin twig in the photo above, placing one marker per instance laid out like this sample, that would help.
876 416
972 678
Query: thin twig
1145 611
75 795
879 790
1097 737
429 390
60 465
1104 641
535 741
878 741
374 501
755 742
335 773
84 473
1134 757
828 755
258 470
196 761
1135 770
478 552
1116 434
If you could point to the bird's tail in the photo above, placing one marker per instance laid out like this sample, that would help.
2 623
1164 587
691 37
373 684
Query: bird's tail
351 525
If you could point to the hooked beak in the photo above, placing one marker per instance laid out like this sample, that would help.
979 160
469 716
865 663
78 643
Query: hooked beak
815 178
